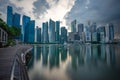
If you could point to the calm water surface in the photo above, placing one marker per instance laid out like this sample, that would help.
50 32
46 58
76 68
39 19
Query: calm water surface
75 62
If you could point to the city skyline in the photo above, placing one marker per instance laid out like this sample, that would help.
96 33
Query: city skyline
81 10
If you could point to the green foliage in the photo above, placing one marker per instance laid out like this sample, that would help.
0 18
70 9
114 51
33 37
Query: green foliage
12 31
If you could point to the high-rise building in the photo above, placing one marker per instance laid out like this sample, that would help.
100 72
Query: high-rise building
102 33
16 20
9 15
57 28
93 27
80 28
63 34
87 34
51 31
30 32
109 32
45 37
38 35
73 26
25 21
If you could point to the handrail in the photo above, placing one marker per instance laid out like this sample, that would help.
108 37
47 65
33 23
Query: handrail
20 65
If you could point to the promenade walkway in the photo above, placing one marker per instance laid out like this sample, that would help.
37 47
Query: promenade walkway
7 56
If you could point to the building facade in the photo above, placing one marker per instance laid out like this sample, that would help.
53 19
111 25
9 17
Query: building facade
63 35
25 21
3 37
30 32
51 31
9 15
38 35
45 36
80 28
109 28
16 20
57 30
73 26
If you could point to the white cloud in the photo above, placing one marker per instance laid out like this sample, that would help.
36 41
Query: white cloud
57 10
26 5
87 4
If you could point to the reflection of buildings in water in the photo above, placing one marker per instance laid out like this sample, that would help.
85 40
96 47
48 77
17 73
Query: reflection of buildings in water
94 55
37 54
63 53
87 54
31 63
38 57
57 60
44 55
81 55
51 55
103 52
110 55
74 51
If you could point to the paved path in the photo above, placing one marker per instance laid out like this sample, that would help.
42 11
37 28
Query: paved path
6 60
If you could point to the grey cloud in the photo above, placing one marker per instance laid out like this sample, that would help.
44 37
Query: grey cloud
40 8
98 10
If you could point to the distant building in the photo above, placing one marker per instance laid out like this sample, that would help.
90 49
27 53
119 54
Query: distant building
16 20
73 26
109 32
38 35
57 29
30 32
102 34
25 21
87 34
9 15
93 27
63 34
45 36
80 28
94 37
51 31
73 37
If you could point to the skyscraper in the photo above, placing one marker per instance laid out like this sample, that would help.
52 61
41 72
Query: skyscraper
73 26
45 37
102 34
38 35
25 21
16 20
30 32
80 28
63 34
51 31
109 32
93 27
57 28
87 34
9 15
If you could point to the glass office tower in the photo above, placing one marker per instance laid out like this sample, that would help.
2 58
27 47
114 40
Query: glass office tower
16 20
9 15
51 31
45 37
73 26
38 35
57 28
30 32
25 21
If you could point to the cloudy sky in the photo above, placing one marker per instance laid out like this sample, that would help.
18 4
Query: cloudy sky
99 11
